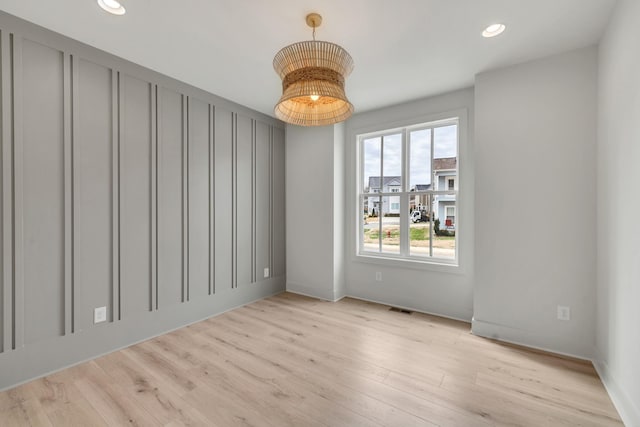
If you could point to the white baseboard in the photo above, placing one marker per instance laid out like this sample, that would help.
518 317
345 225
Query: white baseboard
407 308
307 291
525 338
628 410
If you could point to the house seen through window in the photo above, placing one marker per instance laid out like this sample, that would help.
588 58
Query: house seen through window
408 192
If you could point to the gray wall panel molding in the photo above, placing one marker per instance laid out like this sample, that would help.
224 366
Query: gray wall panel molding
43 166
17 311
234 200
125 189
199 199
6 176
94 190
223 199
185 198
135 195
262 200
211 195
153 303
271 245
244 194
117 148
279 233
253 200
70 119
171 223
6 152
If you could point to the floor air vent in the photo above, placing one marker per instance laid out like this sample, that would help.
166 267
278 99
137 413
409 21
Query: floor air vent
400 310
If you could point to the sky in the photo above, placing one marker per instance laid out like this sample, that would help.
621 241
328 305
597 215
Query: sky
445 145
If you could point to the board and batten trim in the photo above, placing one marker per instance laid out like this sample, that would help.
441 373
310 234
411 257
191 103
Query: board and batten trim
254 130
18 218
271 202
185 198
212 186
234 200
71 180
154 199
116 310
129 95
6 91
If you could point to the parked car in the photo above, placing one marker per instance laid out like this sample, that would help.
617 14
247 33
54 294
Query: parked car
419 215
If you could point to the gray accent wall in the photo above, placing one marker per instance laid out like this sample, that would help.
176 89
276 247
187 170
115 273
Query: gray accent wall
125 189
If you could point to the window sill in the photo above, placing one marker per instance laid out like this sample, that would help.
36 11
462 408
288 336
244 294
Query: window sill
436 265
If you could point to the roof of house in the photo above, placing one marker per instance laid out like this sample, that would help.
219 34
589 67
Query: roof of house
374 181
443 164
421 187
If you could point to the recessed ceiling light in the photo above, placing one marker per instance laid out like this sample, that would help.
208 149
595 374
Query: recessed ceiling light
493 30
112 6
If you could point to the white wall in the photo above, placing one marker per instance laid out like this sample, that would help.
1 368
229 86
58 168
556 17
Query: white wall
314 199
618 339
446 291
340 286
536 202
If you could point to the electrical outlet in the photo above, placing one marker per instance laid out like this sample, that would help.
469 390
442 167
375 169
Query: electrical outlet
378 276
99 314
564 313
266 272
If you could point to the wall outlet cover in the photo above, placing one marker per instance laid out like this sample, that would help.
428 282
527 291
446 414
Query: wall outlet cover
99 314
378 276
266 272
564 312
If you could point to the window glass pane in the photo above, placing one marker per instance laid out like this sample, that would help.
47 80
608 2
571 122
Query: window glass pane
419 224
390 219
445 162
445 142
371 168
420 160
445 227
392 163
370 225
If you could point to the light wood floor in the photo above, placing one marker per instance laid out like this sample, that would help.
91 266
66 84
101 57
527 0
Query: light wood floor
291 360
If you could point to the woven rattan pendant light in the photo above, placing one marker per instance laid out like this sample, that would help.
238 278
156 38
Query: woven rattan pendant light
313 74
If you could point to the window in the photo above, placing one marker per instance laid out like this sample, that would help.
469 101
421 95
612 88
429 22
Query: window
450 216
408 192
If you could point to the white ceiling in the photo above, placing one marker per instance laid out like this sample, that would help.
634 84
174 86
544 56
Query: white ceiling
403 49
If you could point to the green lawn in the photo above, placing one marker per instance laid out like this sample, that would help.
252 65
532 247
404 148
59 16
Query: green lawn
415 234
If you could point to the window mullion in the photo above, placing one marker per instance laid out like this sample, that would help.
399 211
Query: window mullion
432 197
404 197
380 198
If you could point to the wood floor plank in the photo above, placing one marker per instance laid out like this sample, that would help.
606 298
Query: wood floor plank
18 407
291 383
149 392
363 393
291 360
76 414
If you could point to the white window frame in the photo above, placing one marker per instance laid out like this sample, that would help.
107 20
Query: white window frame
404 194
450 179
455 218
